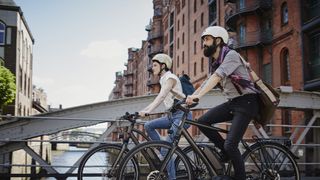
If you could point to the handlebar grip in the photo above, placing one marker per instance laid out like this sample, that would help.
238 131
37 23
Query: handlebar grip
196 100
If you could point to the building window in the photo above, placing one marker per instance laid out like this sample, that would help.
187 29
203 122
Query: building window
242 4
285 67
202 20
195 69
182 57
178 25
195 6
195 47
178 43
178 62
266 73
171 19
195 26
201 2
202 64
2 33
212 12
182 38
171 51
183 20
284 14
242 34
314 56
20 78
183 3
171 35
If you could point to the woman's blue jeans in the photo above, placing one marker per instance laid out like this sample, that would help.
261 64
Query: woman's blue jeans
171 123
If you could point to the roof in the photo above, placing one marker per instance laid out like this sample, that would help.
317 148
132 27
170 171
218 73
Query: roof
7 3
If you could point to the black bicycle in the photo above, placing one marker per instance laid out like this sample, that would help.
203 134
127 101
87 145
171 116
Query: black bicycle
102 162
265 159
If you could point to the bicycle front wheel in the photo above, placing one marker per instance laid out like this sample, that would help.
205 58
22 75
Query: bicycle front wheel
99 163
151 157
270 161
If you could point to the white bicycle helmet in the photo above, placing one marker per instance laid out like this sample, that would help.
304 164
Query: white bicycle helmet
216 31
163 58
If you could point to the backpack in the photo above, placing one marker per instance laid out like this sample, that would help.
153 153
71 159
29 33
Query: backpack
187 86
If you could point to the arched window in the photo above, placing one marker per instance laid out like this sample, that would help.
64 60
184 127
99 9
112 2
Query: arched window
195 6
195 69
285 67
284 14
195 47
178 43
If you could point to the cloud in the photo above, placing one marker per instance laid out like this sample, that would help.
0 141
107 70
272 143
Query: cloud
111 49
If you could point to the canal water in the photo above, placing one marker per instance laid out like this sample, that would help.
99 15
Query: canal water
66 158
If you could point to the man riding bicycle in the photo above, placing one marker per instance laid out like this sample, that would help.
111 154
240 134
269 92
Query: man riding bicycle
230 74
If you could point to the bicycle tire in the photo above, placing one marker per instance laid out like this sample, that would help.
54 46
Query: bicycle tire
265 161
98 162
150 164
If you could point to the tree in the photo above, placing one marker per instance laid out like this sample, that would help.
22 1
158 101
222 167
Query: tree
7 87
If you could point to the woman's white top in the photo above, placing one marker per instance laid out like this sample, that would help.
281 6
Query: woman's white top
169 99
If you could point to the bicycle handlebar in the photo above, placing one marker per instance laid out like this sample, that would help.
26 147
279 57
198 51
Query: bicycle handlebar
179 104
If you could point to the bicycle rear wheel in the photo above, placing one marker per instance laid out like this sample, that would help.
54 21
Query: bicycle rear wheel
98 163
151 156
270 161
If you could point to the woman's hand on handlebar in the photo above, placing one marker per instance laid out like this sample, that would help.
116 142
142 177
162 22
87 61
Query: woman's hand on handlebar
143 114
192 99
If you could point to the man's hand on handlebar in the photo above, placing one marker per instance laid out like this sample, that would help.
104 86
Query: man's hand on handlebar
192 99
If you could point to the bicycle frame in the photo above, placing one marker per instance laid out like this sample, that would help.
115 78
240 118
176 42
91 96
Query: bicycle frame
129 134
183 132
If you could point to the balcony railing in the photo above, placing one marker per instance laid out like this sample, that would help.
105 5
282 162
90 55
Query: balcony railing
258 5
155 49
127 73
154 35
253 39
152 81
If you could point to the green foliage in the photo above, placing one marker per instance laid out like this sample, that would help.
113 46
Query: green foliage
7 87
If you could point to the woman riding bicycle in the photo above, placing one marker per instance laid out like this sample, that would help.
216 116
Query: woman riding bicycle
171 89
231 75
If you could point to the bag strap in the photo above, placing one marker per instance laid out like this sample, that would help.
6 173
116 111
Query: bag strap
254 76
260 83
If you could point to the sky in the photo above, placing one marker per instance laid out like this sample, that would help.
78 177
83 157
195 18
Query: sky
80 44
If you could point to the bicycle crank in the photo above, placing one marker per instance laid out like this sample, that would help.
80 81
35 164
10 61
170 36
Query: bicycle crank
155 175
270 174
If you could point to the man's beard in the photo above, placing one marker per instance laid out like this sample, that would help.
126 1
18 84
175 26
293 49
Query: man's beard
209 50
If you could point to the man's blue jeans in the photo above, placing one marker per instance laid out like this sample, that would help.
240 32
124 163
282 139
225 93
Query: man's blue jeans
166 122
